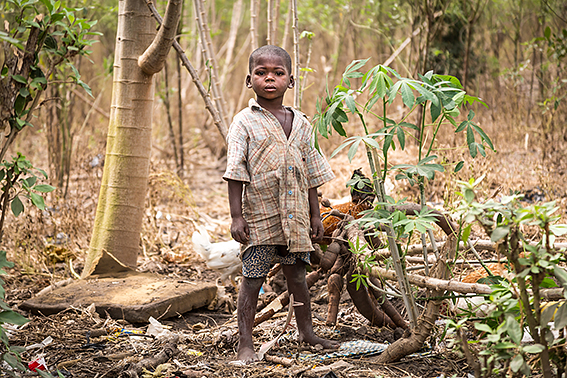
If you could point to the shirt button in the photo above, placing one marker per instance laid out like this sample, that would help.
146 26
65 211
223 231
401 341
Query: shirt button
290 168
290 192
290 216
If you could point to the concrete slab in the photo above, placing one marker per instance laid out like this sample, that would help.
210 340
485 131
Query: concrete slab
131 296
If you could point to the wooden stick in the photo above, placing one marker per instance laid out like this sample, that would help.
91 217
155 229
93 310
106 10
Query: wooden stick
209 54
254 6
481 245
195 76
287 362
295 29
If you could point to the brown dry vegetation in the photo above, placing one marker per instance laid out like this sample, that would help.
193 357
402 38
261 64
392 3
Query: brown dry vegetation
46 245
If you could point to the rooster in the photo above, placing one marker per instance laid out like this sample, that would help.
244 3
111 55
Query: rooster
222 256
362 195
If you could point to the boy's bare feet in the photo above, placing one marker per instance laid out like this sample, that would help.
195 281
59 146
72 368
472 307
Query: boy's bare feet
314 340
246 355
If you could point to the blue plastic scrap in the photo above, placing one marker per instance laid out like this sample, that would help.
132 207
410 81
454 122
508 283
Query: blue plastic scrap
355 348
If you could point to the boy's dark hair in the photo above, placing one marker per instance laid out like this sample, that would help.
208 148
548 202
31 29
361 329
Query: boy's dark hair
269 50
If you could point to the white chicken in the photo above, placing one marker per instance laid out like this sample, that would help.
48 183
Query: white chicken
222 256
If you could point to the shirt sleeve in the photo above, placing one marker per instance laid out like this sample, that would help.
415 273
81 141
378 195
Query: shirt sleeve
319 169
237 159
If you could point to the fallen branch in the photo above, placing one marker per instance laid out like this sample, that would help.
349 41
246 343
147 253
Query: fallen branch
287 362
454 285
481 245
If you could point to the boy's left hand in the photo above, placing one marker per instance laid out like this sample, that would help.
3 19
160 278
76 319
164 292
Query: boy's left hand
317 229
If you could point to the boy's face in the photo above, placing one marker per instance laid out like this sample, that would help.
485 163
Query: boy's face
269 77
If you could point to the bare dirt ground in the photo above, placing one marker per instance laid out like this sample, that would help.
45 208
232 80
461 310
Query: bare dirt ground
88 345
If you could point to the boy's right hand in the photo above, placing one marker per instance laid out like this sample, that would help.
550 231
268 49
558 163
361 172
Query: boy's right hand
240 231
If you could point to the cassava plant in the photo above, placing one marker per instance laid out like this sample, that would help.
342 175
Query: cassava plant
441 96
516 306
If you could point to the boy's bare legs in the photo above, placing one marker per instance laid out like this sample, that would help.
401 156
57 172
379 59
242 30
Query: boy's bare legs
247 302
296 285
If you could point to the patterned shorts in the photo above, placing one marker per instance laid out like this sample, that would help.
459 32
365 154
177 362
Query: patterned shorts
258 259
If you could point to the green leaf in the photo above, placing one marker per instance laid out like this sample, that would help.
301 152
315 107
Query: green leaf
401 137
483 327
499 233
20 105
407 95
338 127
516 363
51 43
534 348
561 316
20 79
352 150
483 136
48 4
547 32
44 188
12 317
505 345
17 206
24 92
548 312
349 101
558 229
514 329
459 166
561 275
37 200
13 361
346 143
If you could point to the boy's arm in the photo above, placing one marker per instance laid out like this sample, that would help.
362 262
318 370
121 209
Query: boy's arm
317 230
239 228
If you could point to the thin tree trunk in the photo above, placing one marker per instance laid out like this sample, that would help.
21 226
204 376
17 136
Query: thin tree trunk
180 118
167 104
276 21
296 96
269 29
287 25
234 24
179 99
254 8
212 66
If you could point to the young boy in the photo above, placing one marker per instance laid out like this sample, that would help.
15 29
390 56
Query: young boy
273 173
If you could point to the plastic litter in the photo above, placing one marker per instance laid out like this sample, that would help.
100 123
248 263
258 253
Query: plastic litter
355 348
156 329
48 340
38 363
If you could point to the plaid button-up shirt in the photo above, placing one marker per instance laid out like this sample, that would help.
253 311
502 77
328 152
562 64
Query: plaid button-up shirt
277 173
